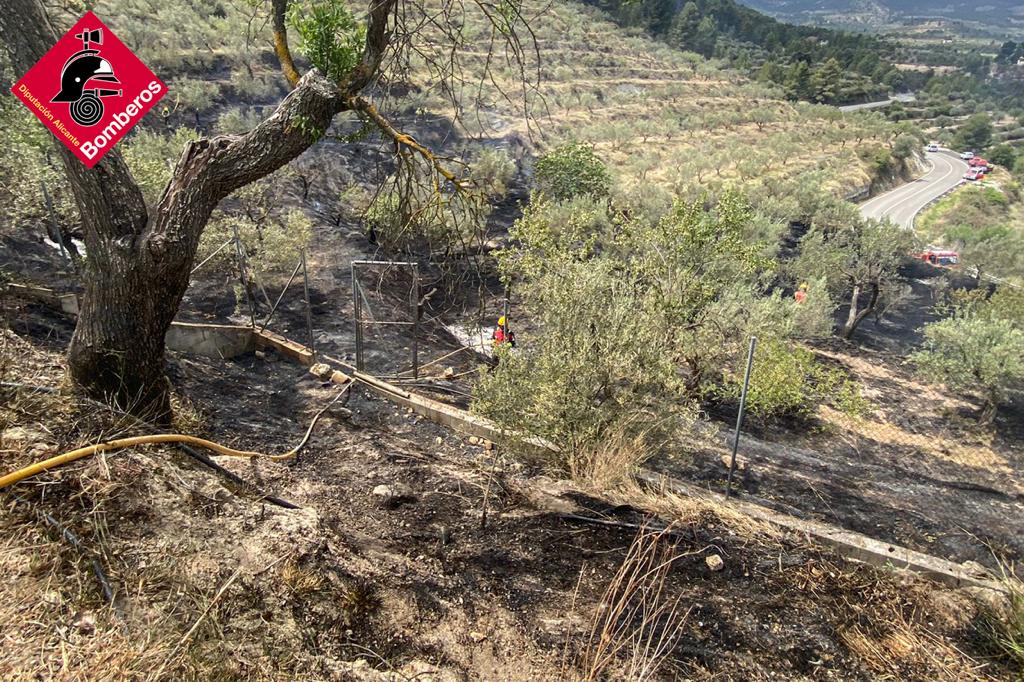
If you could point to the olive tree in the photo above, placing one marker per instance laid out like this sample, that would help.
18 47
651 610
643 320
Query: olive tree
627 320
858 257
571 170
978 347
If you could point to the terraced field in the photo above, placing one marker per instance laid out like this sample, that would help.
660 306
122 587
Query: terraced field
654 113
665 116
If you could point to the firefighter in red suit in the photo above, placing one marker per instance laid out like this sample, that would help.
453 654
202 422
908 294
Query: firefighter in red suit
502 334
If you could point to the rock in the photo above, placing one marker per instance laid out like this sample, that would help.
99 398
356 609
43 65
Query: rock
85 623
473 440
477 636
488 445
383 491
321 371
444 535
421 671
439 440
448 373
341 412
339 377
714 562
390 496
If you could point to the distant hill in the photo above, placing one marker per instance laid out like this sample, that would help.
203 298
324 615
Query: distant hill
815 64
852 13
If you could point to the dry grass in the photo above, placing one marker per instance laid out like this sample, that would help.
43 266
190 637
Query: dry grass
161 533
885 625
936 443
638 621
901 646
57 625
934 433
1001 624
687 510
611 462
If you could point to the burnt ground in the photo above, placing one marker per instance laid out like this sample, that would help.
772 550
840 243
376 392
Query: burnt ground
916 470
899 330
429 551
215 584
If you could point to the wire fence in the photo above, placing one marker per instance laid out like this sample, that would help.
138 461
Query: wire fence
915 469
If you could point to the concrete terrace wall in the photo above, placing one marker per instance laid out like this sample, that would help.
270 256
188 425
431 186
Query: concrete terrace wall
218 341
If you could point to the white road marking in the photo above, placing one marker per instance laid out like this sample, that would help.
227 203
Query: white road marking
903 203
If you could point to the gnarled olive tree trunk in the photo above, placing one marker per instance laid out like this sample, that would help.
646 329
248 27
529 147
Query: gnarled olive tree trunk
139 263
855 315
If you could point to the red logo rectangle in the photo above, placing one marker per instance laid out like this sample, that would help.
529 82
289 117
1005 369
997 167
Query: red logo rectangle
89 89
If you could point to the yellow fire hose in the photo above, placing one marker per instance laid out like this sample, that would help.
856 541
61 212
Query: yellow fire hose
120 443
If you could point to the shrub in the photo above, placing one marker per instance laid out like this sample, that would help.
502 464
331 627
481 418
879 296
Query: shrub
1003 155
1002 630
26 166
979 347
572 170
329 36
410 211
491 172
151 158
236 121
786 380
626 321
272 246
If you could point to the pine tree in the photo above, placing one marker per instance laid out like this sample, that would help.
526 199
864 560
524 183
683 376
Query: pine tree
798 81
826 80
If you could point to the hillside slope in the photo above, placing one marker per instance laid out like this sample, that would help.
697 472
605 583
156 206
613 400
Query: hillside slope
670 117
589 80
413 554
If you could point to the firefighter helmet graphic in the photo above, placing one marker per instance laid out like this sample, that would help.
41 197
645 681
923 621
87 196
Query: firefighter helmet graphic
82 78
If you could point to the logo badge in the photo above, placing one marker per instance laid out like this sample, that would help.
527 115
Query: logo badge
89 90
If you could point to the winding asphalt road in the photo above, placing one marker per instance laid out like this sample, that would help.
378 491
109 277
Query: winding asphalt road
902 204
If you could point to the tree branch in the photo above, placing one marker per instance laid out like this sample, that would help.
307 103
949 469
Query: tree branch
284 54
402 140
377 41
210 169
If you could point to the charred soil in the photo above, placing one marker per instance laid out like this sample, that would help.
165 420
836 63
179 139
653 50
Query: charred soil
412 555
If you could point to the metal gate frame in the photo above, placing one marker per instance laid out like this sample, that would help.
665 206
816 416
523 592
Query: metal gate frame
414 300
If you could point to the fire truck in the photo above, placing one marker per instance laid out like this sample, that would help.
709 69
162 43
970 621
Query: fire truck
941 258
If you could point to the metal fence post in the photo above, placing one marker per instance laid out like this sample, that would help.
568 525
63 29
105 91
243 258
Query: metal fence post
64 250
309 306
243 277
357 315
739 417
280 296
415 321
